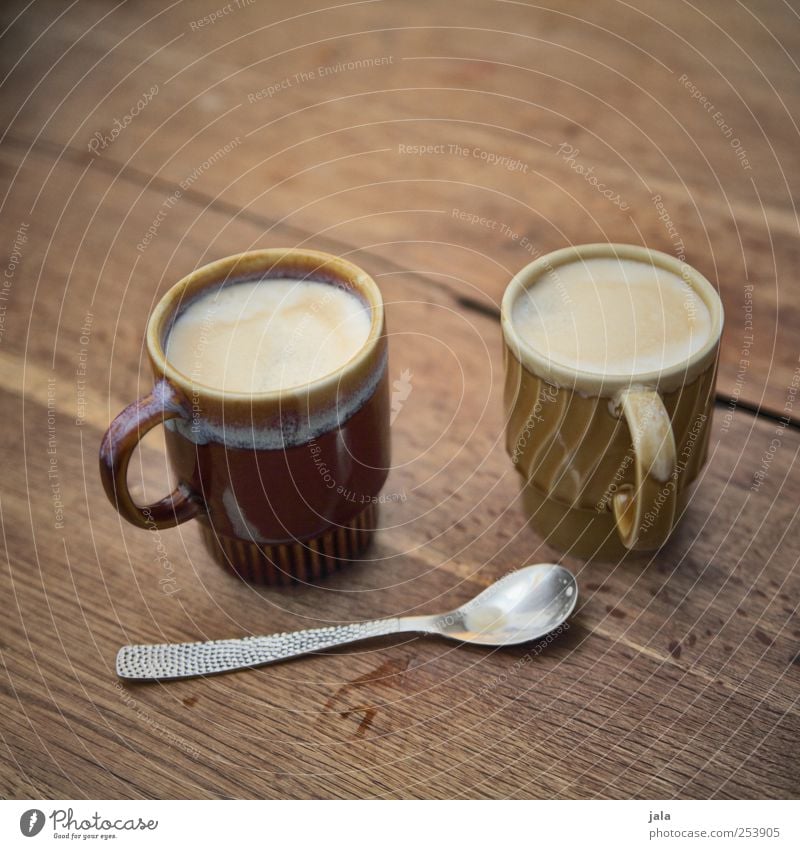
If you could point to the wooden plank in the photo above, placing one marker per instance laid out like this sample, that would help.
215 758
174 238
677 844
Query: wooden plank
678 677
324 154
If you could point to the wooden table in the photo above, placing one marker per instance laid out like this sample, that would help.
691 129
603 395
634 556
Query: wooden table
142 140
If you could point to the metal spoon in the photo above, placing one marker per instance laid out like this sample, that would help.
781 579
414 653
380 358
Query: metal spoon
522 606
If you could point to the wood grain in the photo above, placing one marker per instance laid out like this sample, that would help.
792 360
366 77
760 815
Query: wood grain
679 675
324 154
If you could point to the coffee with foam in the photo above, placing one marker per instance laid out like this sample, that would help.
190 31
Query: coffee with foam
612 317
266 335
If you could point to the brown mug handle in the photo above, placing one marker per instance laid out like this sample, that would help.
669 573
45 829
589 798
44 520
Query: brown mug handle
645 512
121 438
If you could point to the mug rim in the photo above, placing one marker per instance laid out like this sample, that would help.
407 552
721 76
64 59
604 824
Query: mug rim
598 383
330 269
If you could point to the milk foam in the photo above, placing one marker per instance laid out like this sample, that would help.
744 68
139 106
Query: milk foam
612 316
270 334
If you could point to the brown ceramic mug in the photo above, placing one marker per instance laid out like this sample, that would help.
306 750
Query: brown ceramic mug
283 483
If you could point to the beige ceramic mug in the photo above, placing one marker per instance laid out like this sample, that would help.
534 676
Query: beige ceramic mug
606 458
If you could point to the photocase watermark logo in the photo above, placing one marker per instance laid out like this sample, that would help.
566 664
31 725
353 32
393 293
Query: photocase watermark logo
31 822
401 389
548 394
102 141
570 155
66 825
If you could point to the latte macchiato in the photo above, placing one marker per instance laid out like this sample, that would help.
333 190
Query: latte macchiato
612 316
271 380
610 360
269 334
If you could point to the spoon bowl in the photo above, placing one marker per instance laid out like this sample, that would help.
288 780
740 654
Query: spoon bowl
522 606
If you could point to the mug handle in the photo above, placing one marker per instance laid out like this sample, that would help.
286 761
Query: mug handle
121 438
645 512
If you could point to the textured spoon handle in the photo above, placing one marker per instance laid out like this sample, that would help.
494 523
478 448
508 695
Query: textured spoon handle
184 660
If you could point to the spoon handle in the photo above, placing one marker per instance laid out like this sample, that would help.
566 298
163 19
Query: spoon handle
186 660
